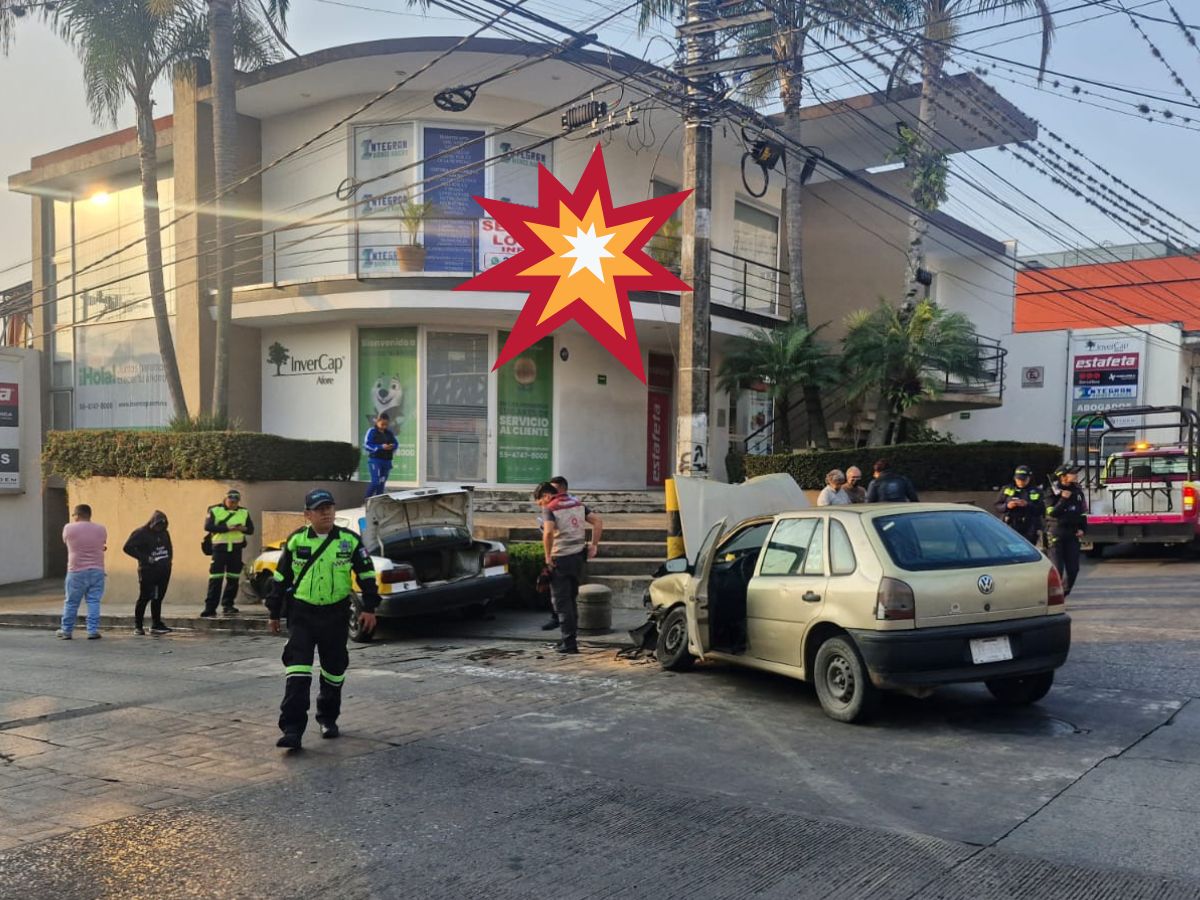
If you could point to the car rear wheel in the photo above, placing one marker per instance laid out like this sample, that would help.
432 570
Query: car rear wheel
1021 690
842 683
672 648
357 633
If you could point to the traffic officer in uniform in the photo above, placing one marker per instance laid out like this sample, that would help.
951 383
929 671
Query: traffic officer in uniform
1022 505
1066 513
314 579
228 522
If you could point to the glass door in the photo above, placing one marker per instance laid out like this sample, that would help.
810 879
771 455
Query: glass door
456 411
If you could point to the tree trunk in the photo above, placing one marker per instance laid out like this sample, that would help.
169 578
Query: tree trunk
932 57
224 106
789 50
882 425
151 223
781 428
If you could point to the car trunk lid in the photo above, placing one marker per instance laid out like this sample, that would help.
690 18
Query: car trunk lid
391 519
980 594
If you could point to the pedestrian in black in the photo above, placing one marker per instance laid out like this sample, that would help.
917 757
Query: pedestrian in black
890 487
150 545
1022 505
1066 515
315 581
227 525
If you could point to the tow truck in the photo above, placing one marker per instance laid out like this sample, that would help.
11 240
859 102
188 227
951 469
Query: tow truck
1146 492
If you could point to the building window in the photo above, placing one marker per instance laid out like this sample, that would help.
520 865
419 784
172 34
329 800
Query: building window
61 403
456 414
754 274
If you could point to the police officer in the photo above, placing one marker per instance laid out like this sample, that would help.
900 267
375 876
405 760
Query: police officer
228 522
314 579
1022 505
1066 513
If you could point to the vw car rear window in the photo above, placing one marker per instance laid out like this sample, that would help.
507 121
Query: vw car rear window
951 539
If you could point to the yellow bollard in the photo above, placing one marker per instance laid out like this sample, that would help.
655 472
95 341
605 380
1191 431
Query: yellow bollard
674 525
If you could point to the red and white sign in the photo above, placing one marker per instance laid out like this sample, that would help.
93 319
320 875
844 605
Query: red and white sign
9 406
658 417
1107 361
495 244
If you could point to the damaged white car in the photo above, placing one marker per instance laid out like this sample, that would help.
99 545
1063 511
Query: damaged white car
426 558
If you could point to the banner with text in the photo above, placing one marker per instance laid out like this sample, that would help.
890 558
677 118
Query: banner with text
525 401
1106 374
454 176
387 382
377 152
119 379
10 421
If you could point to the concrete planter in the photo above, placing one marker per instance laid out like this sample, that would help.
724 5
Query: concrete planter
123 504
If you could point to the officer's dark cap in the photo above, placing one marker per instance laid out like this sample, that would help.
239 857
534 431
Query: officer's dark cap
1022 472
317 498
1066 469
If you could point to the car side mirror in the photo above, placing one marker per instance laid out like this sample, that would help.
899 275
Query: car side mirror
676 565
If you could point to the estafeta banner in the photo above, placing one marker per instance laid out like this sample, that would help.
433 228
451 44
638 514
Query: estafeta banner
1106 373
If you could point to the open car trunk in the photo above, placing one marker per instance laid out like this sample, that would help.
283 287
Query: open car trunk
428 530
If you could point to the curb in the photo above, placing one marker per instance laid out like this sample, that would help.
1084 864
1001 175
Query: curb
226 625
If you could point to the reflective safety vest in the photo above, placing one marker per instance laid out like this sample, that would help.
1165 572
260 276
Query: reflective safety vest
329 579
227 517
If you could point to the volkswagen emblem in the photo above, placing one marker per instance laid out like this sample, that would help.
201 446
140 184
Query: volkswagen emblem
986 584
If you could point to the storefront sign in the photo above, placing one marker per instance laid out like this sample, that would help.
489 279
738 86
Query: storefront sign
10 420
525 395
322 368
387 383
10 414
454 176
658 423
495 244
515 176
119 379
1106 374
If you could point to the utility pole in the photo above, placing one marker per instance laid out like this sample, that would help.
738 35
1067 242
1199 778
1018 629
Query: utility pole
691 432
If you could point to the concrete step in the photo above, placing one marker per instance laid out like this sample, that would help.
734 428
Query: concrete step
638 549
627 590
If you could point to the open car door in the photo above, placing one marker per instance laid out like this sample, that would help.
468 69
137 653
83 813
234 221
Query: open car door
696 600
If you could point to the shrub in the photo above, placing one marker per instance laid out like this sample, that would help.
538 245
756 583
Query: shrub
735 466
979 466
525 561
197 455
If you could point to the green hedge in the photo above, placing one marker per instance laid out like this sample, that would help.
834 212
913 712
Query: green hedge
979 466
525 561
200 455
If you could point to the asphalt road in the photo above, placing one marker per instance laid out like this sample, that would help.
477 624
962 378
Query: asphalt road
144 767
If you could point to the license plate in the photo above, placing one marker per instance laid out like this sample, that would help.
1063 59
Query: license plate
994 649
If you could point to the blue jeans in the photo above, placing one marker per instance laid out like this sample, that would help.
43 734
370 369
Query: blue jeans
87 584
379 469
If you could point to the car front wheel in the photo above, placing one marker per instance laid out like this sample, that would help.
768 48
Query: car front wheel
358 634
1021 690
672 649
842 683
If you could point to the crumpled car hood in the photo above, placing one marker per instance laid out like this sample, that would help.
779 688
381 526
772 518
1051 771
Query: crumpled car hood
703 503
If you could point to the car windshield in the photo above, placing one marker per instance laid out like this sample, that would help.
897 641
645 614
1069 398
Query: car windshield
951 539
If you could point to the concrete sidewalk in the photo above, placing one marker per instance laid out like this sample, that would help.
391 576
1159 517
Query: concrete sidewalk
38 604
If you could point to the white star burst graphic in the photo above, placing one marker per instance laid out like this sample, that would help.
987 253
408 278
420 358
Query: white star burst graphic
588 250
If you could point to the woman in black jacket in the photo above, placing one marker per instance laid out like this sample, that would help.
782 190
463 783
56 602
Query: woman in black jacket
150 545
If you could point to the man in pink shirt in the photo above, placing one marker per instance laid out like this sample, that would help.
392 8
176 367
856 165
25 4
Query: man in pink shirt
86 542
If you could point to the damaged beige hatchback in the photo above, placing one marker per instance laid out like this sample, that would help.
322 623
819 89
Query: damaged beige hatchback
856 599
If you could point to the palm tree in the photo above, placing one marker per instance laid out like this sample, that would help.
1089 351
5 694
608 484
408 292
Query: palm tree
784 38
902 353
125 49
238 33
783 359
928 166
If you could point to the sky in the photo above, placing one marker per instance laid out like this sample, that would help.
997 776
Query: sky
43 105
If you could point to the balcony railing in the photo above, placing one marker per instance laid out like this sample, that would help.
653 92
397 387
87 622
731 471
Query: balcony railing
375 247
986 377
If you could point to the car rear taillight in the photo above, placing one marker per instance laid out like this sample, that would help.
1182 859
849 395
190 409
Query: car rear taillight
398 573
894 601
495 558
1055 596
1189 499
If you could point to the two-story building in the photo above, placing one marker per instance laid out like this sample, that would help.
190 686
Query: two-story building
337 316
